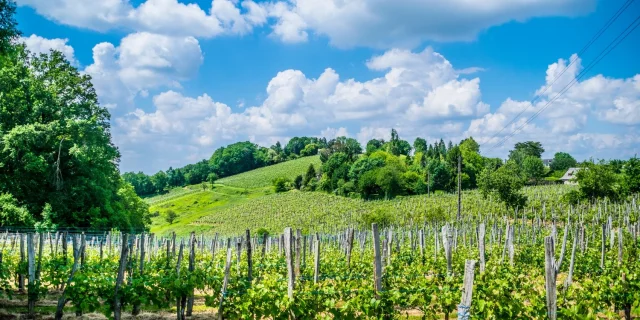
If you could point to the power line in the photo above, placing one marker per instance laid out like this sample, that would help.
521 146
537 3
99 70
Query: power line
583 50
624 34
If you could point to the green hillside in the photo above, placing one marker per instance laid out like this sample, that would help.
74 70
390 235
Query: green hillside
262 177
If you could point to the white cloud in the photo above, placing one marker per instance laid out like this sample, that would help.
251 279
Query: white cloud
37 44
560 124
332 133
167 17
296 103
376 22
142 61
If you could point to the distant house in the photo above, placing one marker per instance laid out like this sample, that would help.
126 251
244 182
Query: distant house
547 162
569 177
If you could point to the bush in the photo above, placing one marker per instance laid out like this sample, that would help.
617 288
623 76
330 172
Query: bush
382 217
281 184
170 216
261 232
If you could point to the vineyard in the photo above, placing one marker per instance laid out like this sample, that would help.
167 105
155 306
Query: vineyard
548 260
263 177
210 212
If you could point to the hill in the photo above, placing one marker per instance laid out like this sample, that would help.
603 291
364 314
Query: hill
262 177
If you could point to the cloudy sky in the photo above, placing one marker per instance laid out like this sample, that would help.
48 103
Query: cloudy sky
183 77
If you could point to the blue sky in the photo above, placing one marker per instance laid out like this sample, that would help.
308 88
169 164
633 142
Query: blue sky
182 78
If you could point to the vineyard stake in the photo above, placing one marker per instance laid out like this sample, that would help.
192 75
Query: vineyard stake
316 253
117 305
225 283
550 277
467 290
377 263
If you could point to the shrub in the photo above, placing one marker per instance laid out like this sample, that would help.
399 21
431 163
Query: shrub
170 216
382 217
281 184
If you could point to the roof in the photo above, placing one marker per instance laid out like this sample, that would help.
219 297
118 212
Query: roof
570 174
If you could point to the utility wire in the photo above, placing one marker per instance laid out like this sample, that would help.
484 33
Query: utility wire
583 50
612 45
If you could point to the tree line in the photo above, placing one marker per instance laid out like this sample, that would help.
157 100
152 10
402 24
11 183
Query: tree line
58 165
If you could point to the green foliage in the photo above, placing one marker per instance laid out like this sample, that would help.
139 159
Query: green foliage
309 176
506 183
309 150
281 184
389 179
8 25
420 145
236 158
374 145
632 174
440 176
362 165
379 216
533 168
170 216
297 182
528 148
598 181
56 143
562 161
396 146
12 214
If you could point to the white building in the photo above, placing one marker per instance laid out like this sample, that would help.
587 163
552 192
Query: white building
569 177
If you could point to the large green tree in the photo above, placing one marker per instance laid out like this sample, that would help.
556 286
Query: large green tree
533 168
55 145
631 171
528 148
505 182
562 161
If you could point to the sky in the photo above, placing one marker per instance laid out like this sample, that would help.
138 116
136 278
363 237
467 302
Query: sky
182 78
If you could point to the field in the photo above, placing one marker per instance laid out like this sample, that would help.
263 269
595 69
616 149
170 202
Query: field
263 177
251 253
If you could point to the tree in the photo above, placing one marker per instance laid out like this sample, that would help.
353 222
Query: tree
506 183
631 171
420 145
212 178
236 158
529 148
396 146
297 182
374 145
8 25
309 150
309 175
440 176
533 168
160 181
170 216
598 180
281 184
562 161
57 147
390 181
363 165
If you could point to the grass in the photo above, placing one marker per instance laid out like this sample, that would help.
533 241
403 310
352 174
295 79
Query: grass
263 177
195 204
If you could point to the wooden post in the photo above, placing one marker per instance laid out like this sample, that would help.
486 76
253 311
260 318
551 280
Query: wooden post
620 239
467 291
481 234
32 290
446 243
22 258
604 236
569 280
288 250
550 277
136 306
63 297
377 260
225 283
316 253
181 300
349 246
459 186
249 261
298 250
117 305
192 268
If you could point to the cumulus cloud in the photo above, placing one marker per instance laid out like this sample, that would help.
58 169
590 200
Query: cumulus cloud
168 17
558 120
407 23
37 44
141 62
296 103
